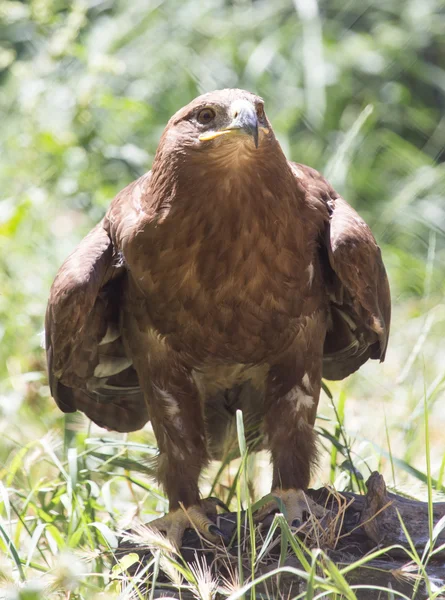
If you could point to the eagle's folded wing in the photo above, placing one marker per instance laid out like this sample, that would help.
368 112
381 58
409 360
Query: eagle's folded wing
360 302
355 277
89 369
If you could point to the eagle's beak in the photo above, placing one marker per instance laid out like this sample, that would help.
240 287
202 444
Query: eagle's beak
245 121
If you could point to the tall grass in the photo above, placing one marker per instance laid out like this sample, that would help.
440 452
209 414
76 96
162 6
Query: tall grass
59 533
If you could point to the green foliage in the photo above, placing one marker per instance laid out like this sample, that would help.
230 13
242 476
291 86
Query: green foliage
354 89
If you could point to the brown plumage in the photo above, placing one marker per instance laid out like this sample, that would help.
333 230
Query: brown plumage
226 277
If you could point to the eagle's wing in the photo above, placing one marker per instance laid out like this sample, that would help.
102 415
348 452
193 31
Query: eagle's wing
360 302
89 367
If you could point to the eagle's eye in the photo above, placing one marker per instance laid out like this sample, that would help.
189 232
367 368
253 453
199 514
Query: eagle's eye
206 115
260 111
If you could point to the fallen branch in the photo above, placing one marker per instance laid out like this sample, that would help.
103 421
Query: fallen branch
357 525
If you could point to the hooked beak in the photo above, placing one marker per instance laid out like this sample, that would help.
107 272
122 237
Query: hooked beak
245 121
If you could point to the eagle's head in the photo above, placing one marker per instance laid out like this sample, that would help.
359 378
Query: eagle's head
223 125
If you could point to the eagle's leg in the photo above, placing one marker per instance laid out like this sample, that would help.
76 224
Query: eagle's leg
178 423
291 407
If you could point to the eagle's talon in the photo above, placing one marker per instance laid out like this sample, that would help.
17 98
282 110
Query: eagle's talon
217 502
175 522
298 507
214 530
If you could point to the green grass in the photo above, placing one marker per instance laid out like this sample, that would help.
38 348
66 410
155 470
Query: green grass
62 507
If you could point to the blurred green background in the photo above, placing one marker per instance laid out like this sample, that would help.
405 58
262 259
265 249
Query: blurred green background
355 89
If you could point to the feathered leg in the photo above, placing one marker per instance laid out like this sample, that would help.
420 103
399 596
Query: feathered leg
176 416
291 406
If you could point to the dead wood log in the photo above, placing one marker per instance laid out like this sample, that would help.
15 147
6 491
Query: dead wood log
362 523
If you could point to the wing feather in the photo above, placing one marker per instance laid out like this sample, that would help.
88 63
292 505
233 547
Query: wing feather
356 281
73 296
88 366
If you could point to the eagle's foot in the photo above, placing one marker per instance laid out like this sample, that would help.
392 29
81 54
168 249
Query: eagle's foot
175 522
296 506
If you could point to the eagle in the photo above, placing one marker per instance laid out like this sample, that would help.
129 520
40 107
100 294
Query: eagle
226 278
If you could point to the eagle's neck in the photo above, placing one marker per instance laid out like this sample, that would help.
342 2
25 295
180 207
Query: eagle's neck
245 185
